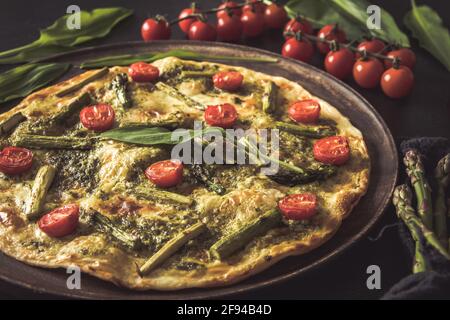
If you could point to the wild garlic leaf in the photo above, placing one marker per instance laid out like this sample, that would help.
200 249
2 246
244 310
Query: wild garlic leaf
426 25
59 38
23 80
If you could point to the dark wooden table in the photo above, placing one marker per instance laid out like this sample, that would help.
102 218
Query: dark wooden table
425 113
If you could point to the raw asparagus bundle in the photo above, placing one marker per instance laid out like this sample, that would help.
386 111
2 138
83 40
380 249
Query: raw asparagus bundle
41 184
172 246
416 173
402 200
442 176
240 238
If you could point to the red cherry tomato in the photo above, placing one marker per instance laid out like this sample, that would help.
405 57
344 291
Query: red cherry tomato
339 63
143 72
275 16
229 27
60 222
15 160
253 23
301 50
222 115
228 80
330 32
397 82
300 206
155 29
256 6
296 25
304 111
203 31
99 117
186 23
166 173
367 72
373 45
332 150
229 4
407 58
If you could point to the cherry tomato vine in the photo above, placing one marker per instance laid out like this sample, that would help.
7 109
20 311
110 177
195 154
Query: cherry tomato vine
372 62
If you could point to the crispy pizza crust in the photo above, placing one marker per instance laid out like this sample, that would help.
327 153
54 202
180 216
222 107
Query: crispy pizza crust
341 194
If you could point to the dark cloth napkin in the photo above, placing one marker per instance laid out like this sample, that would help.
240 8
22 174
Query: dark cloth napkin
433 284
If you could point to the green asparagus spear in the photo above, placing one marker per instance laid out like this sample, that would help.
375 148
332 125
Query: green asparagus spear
172 246
269 97
402 200
41 184
442 175
196 74
120 87
240 238
9 124
204 176
105 225
51 142
172 121
77 86
178 95
416 173
312 131
73 107
152 193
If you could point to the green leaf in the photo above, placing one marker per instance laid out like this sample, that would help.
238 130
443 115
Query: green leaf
156 135
427 27
23 80
351 15
59 38
127 59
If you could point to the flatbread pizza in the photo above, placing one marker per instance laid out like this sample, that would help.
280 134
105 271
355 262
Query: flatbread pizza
88 178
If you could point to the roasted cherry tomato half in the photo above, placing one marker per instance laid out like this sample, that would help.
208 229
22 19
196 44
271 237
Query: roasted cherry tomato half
300 206
255 5
304 111
155 29
374 45
186 23
275 16
295 25
252 23
60 222
228 80
330 32
98 117
407 58
202 30
367 72
15 160
332 150
222 115
340 62
143 72
397 82
297 49
229 27
229 4
166 173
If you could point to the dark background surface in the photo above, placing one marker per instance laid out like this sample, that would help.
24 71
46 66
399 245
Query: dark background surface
426 112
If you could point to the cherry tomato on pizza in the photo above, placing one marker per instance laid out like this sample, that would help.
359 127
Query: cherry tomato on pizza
98 117
304 111
228 80
15 160
166 173
143 72
222 115
60 222
300 206
333 150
